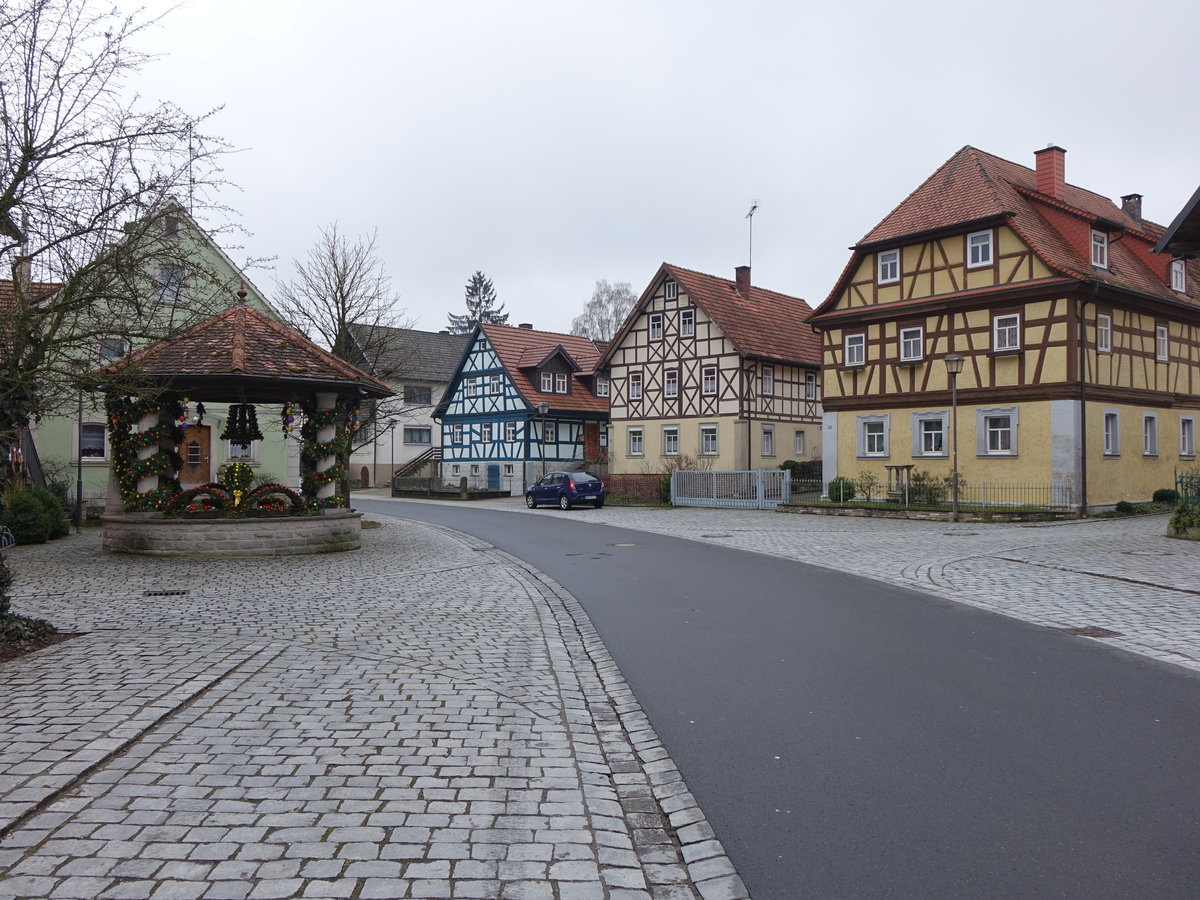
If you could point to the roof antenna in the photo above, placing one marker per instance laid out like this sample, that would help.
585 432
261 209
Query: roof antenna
750 216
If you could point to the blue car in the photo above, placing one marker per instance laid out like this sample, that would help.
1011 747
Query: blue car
566 489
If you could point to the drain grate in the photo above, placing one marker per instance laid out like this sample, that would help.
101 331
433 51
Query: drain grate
1092 631
165 593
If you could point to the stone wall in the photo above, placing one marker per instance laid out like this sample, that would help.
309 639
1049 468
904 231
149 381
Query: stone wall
330 532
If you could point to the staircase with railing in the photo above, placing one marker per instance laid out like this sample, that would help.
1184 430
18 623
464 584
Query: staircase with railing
414 466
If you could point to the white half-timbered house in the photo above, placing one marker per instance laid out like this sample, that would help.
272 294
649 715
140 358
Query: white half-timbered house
522 402
716 370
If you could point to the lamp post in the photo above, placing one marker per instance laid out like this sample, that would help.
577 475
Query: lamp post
954 365
79 466
392 452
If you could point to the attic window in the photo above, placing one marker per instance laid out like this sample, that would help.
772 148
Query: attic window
672 290
1178 276
560 383
547 382
1099 249
656 327
979 249
888 267
601 387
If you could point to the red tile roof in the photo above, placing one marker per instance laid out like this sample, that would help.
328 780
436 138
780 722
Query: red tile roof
973 185
769 325
521 348
243 341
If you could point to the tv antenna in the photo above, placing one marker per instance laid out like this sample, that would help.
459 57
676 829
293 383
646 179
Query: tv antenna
750 216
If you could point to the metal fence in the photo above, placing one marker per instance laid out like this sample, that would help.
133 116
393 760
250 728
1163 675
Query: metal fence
756 489
1188 486
1049 495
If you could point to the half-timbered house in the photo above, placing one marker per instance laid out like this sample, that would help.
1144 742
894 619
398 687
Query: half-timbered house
1080 344
714 370
522 402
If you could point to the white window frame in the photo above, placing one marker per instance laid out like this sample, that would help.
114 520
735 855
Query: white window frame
601 387
768 440
485 432
1099 249
810 386
709 440
656 326
1162 343
637 442
250 456
873 437
1104 333
1150 434
560 383
103 358
404 434
1006 332
106 449
670 438
1187 436
635 385
470 386
455 469
984 431
887 267
979 241
768 381
798 442
1112 432
687 323
510 431
508 469
919 433
474 468
551 431
547 382
1178 276
912 349
494 384
855 353
456 434
708 381
671 289
671 383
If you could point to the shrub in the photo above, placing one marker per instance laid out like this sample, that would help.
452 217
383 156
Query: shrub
841 489
26 518
869 483
56 513
1186 518
1166 495
803 470
1124 508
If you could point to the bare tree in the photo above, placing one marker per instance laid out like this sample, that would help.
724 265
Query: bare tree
93 183
480 298
604 313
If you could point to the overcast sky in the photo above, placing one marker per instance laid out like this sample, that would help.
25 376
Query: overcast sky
551 144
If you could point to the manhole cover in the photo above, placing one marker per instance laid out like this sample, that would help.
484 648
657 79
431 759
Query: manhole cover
622 545
1092 631
164 593
713 535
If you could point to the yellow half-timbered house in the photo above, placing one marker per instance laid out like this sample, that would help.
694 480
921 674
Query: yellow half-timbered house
1080 343
715 370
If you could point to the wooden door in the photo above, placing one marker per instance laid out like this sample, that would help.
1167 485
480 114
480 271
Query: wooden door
591 440
196 451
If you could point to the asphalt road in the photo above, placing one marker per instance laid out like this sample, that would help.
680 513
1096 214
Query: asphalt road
851 739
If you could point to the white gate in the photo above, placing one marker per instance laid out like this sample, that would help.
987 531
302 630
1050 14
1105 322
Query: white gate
756 489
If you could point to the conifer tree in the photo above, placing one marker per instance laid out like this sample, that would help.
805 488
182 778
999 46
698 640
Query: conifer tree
481 306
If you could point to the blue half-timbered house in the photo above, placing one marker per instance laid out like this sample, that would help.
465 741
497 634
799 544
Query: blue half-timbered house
522 402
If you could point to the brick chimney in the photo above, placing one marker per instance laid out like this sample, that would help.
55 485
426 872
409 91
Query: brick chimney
1131 205
1051 171
742 277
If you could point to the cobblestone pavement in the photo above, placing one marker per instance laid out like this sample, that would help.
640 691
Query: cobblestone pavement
426 718
1123 575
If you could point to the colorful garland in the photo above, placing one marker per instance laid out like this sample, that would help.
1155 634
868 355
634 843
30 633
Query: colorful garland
343 419
123 416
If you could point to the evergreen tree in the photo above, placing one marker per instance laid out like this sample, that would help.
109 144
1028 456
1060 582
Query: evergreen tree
481 307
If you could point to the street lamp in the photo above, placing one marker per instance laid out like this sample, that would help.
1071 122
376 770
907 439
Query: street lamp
954 365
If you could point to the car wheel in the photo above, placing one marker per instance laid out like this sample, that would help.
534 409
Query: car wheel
530 502
564 502
599 504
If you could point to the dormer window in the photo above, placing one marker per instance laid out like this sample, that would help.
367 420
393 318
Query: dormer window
1178 276
1099 249
601 387
888 267
656 326
672 289
547 382
979 249
560 383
